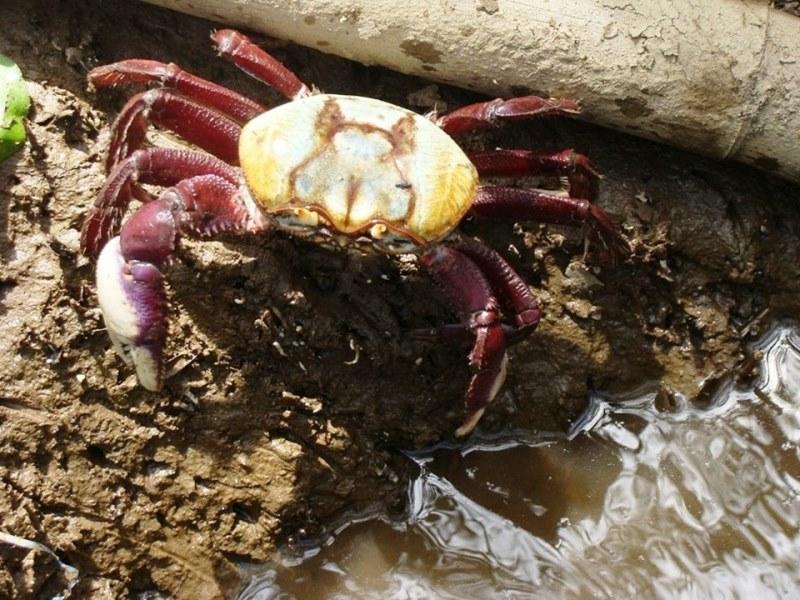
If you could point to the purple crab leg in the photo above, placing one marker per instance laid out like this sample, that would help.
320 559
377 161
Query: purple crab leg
471 295
239 108
513 293
130 283
156 166
482 115
201 125
524 204
577 168
251 59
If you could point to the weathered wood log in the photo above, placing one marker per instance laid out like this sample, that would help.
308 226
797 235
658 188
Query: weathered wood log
719 77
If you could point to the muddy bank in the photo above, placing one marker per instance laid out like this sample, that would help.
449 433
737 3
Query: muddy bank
294 380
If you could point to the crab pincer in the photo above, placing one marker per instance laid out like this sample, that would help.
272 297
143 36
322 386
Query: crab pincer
134 305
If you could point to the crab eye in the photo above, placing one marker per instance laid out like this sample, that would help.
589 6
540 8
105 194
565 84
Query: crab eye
377 231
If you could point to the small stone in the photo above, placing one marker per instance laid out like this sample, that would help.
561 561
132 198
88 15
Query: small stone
583 309
579 277
427 97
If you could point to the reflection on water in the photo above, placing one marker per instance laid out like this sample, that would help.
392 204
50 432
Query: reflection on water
678 503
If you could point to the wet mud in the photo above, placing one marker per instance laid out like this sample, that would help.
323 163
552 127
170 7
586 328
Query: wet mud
294 382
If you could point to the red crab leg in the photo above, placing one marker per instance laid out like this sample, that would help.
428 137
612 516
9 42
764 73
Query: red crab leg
198 124
130 285
486 114
524 204
471 294
157 166
577 168
251 59
515 296
237 107
513 292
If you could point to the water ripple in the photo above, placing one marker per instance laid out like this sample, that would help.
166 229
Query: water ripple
634 501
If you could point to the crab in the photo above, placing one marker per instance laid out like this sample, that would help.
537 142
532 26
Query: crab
345 171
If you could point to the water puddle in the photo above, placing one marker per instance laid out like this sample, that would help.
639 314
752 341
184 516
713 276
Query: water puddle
683 502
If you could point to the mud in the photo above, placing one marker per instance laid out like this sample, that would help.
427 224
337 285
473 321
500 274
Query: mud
294 381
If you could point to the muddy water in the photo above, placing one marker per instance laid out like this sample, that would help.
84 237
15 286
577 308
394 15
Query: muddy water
642 498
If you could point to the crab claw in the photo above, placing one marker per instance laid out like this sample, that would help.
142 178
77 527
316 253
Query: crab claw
134 305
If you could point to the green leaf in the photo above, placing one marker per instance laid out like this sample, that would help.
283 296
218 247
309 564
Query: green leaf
14 105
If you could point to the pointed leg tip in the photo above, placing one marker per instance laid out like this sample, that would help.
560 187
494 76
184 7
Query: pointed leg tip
618 249
94 233
469 423
483 389
224 39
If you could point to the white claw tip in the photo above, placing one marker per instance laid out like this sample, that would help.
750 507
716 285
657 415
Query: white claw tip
147 369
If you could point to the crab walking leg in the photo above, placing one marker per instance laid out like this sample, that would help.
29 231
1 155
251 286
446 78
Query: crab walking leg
514 294
130 283
577 168
515 297
486 114
460 333
523 204
157 166
239 108
201 125
471 295
251 59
